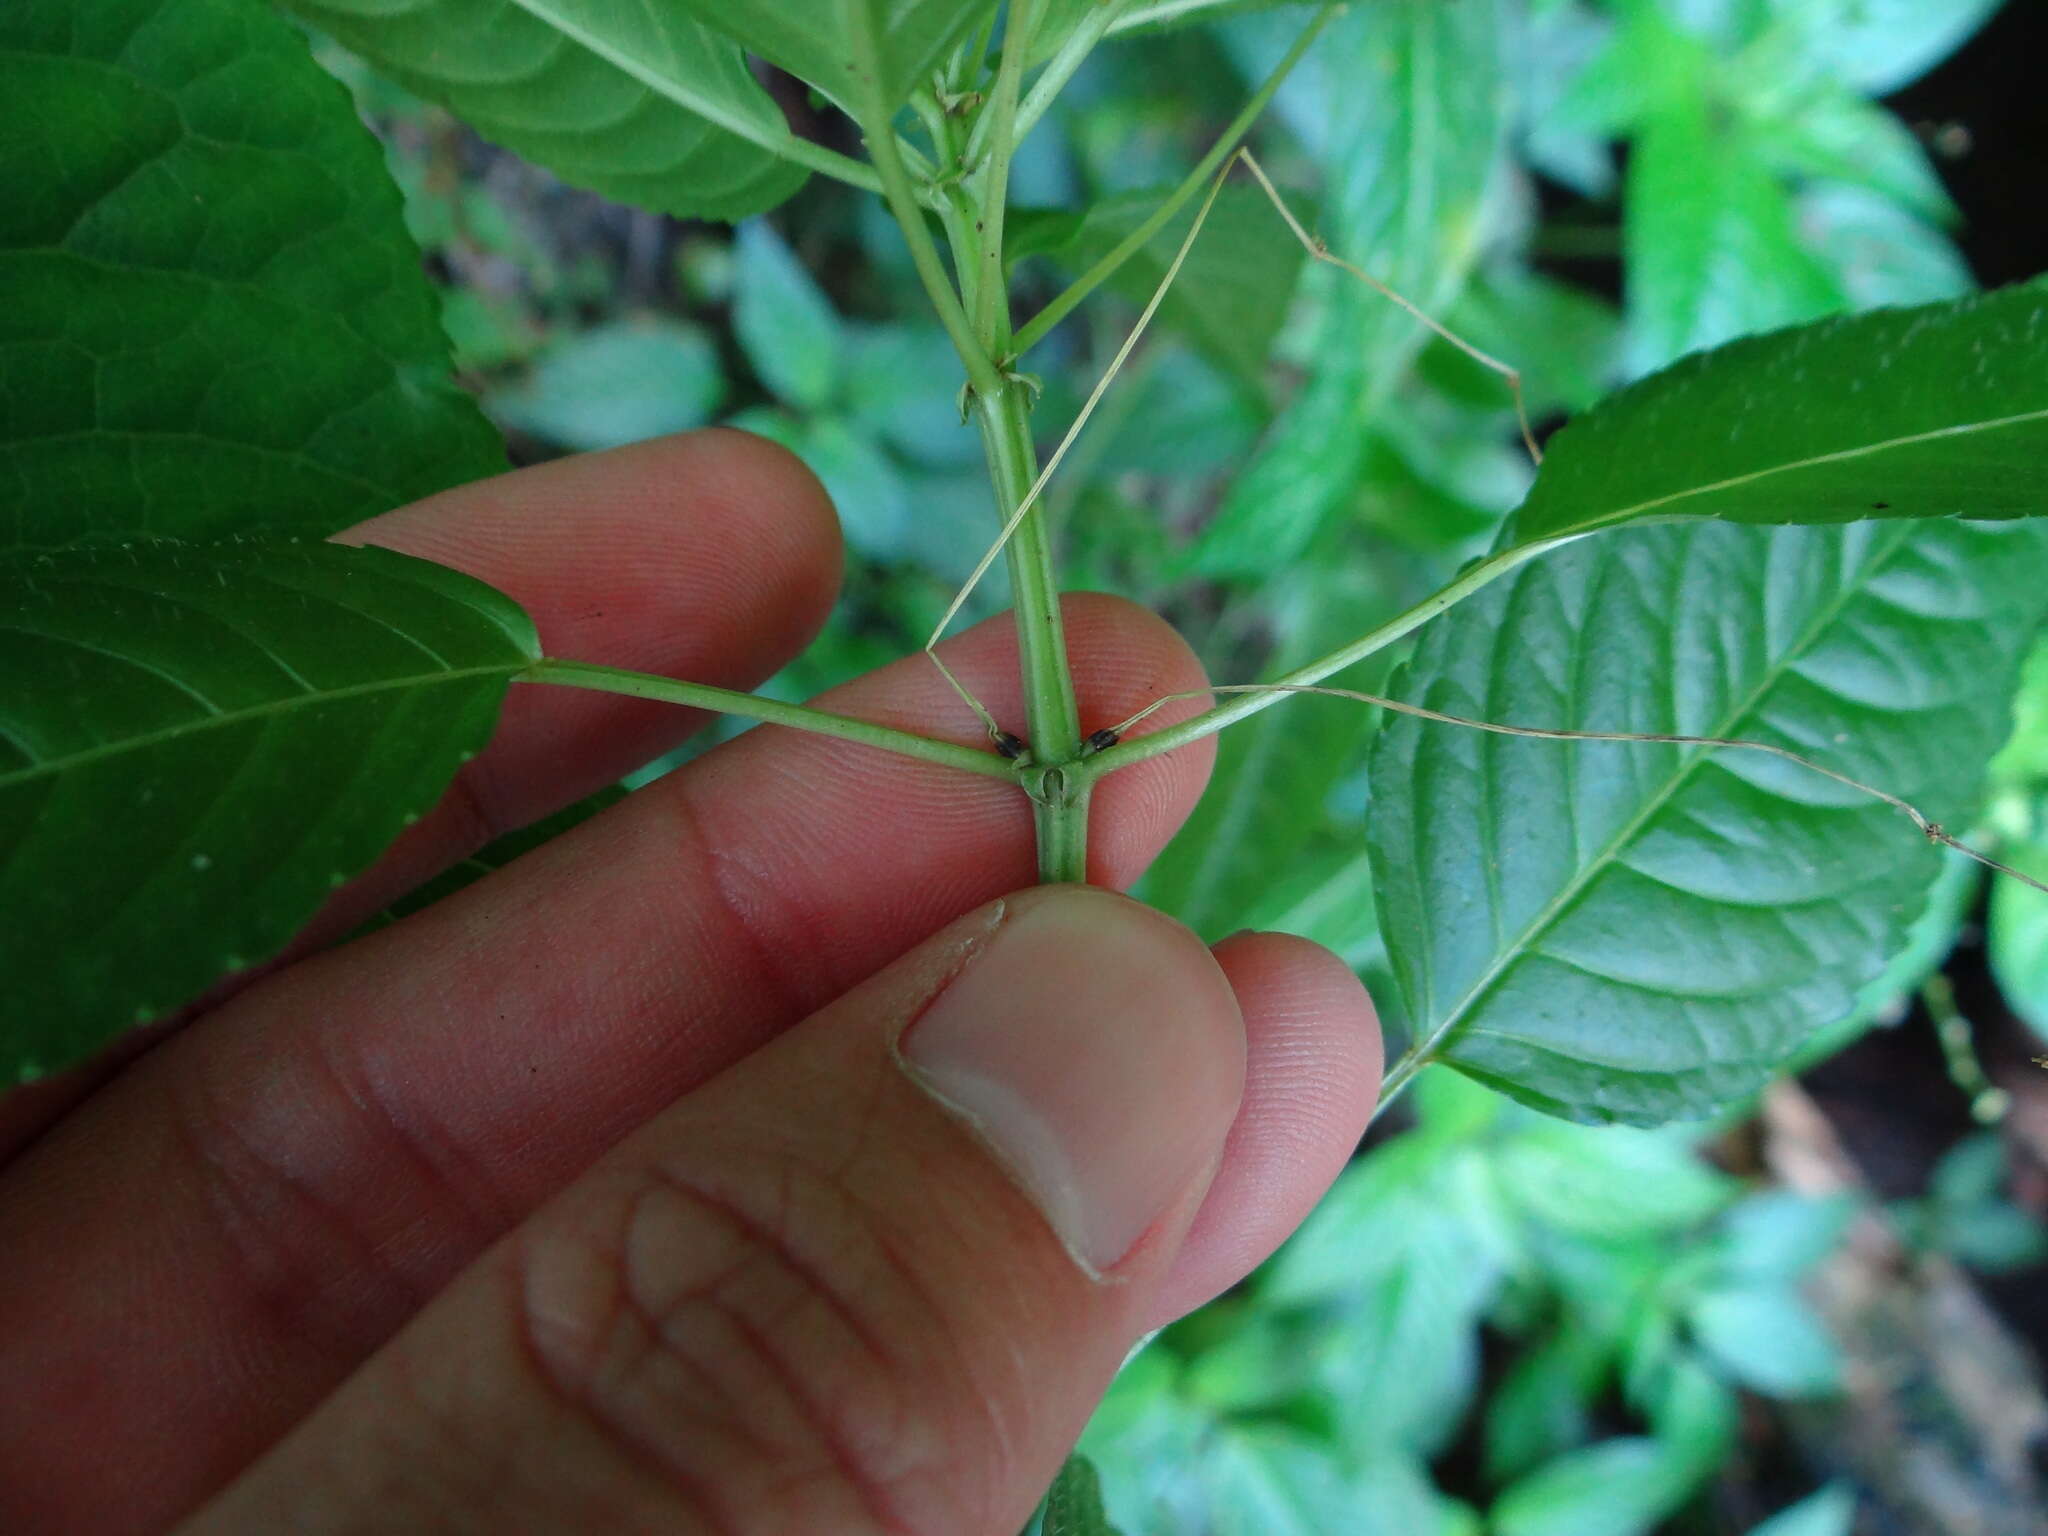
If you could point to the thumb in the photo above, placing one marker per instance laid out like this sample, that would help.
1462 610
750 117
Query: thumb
871 1279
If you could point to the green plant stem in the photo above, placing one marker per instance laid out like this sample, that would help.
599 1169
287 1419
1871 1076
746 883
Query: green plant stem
1052 717
1400 1075
1059 69
1063 833
1988 1102
956 214
828 162
1399 627
1064 303
991 289
982 374
647 685
1002 410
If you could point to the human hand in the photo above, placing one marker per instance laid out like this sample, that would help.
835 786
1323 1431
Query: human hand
746 1160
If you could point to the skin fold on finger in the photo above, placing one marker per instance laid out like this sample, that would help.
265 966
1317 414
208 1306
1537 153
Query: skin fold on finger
712 556
329 1148
1312 1076
808 1297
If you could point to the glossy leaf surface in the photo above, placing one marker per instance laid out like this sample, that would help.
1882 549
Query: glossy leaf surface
1639 932
1938 411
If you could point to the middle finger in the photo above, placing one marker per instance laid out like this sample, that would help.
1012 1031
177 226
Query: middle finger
328 1149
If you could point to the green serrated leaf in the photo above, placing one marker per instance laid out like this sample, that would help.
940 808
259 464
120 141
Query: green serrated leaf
258 720
1073 1505
638 102
1939 411
1640 932
215 319
1928 941
827 43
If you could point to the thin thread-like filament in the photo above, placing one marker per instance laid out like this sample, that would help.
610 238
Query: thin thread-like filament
1933 831
1317 251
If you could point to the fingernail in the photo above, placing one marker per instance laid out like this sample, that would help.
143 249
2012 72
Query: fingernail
1096 1048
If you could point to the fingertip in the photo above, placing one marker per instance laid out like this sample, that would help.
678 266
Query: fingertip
1108 1094
608 551
1314 1059
763 491
1318 1054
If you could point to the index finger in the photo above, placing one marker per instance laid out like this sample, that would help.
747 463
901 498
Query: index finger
328 1149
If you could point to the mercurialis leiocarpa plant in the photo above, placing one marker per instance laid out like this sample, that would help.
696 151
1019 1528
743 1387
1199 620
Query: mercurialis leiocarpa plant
1660 779
201 382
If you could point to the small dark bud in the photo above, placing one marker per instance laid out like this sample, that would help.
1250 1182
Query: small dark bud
1103 740
1009 746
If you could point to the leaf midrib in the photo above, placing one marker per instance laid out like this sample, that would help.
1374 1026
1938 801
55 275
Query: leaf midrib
1644 509
228 718
1426 1047
667 86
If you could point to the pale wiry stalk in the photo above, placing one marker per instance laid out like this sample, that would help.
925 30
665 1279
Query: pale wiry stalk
1933 831
1317 251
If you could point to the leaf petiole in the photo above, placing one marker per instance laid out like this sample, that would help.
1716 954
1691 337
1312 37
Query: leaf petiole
1399 627
669 690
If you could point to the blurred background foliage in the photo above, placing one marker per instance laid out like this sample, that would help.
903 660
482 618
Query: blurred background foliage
1495 1322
